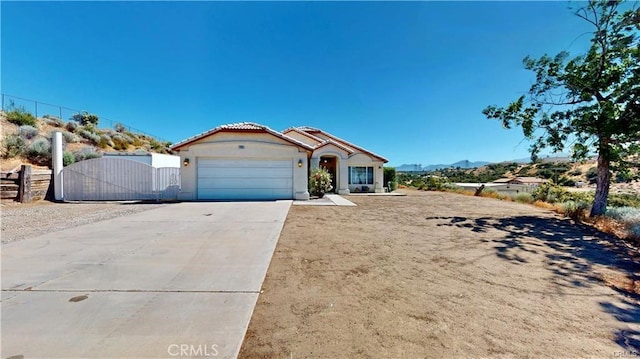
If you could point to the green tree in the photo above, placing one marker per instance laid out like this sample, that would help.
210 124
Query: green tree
590 103
86 118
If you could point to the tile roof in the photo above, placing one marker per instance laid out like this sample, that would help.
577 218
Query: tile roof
344 143
241 126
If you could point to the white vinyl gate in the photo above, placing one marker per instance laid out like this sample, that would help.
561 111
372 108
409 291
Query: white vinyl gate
117 179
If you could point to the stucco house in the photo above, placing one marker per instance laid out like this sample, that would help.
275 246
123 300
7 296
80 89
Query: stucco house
251 161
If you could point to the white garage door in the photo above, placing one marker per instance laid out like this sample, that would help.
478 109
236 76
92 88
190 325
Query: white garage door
226 179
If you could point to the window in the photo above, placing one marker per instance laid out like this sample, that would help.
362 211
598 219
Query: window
360 175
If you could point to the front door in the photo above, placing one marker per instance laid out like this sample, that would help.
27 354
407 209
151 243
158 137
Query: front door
329 163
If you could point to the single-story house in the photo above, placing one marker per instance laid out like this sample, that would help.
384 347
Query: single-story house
251 161
529 181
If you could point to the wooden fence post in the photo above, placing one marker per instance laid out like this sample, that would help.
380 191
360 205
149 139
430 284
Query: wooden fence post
24 191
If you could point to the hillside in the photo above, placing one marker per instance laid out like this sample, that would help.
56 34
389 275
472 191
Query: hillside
27 140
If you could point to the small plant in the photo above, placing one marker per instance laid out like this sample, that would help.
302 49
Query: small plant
523 198
119 127
68 158
551 193
39 151
86 153
70 137
52 121
20 117
434 183
28 132
71 126
105 141
320 182
12 146
86 118
89 135
575 210
121 141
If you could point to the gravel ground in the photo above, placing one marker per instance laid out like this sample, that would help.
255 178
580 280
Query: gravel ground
22 221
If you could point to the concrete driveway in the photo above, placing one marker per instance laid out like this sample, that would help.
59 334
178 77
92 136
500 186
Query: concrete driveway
177 281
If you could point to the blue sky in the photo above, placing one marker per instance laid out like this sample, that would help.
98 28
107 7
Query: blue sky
406 80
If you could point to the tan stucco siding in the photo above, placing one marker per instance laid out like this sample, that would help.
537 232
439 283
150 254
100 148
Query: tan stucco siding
242 146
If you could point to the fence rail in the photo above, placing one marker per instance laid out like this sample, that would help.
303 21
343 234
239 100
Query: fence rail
39 109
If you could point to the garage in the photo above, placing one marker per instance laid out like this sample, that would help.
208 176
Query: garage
238 179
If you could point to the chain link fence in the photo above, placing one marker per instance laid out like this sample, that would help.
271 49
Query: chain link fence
40 109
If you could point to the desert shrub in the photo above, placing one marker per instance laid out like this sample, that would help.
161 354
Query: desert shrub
388 175
523 198
12 146
70 137
21 117
579 196
434 183
624 214
592 175
105 141
86 118
68 158
39 151
28 132
86 153
576 172
624 200
567 182
551 193
89 135
121 141
320 182
52 121
575 210
119 127
71 126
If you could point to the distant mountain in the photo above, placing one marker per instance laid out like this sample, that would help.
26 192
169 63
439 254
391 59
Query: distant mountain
420 168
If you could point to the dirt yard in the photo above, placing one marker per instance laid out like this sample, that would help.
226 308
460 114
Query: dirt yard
443 275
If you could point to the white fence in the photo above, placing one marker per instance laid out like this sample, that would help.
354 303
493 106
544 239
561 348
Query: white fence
116 179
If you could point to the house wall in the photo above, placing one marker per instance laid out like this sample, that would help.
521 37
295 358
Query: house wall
226 145
144 158
361 159
159 160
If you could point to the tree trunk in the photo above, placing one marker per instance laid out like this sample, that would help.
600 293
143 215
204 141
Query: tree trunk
602 186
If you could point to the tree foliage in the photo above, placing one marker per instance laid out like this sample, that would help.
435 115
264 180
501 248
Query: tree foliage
86 118
589 103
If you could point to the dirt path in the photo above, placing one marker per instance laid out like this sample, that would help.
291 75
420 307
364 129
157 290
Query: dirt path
443 275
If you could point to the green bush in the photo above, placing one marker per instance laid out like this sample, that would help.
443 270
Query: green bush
21 117
86 118
119 127
624 200
68 158
319 182
575 210
434 183
592 175
576 172
548 192
28 132
388 175
523 198
12 146
39 151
